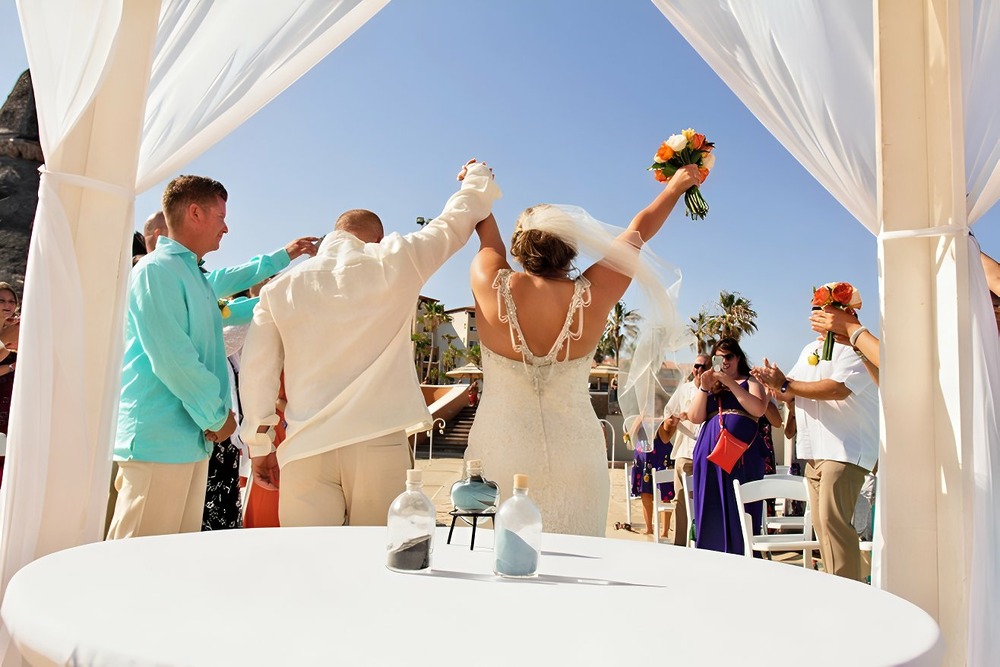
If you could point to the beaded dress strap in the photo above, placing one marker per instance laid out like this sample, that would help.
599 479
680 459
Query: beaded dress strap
505 301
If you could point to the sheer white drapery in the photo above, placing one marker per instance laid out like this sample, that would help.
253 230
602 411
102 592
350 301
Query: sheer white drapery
777 57
984 571
171 79
805 69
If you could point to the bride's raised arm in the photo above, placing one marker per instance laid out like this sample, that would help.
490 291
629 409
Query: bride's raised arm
650 219
492 255
611 276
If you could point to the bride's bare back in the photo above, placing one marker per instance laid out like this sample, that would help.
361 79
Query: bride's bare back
542 307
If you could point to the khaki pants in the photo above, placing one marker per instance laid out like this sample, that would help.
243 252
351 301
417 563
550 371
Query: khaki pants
351 485
681 466
158 498
833 494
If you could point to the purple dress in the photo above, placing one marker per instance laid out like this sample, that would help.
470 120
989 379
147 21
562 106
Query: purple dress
645 463
716 516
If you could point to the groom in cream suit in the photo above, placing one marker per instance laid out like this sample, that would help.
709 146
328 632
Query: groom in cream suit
338 325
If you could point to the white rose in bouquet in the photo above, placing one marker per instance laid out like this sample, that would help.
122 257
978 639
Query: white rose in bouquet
678 142
708 161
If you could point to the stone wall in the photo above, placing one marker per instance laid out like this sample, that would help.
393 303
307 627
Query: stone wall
20 157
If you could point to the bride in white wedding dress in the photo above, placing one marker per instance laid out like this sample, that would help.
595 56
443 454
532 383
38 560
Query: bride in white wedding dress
539 330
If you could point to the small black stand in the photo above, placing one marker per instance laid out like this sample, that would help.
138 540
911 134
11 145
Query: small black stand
476 516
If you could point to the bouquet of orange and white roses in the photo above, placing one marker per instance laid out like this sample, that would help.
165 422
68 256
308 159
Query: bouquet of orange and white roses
838 295
678 150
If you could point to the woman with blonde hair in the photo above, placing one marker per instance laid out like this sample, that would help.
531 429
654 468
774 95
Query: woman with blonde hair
539 329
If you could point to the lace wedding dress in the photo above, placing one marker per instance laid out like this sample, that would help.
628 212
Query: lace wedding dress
535 417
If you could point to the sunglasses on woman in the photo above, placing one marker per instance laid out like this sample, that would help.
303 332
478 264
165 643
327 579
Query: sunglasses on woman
728 356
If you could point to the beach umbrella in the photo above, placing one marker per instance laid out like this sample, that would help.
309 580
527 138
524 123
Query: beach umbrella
604 371
468 370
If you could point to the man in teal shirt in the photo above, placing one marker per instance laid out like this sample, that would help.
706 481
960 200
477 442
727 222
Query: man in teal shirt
175 400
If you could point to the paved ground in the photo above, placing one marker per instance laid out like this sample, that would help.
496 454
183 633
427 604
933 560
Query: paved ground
440 474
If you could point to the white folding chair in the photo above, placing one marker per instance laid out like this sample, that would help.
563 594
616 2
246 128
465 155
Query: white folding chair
689 506
773 487
782 522
660 505
627 469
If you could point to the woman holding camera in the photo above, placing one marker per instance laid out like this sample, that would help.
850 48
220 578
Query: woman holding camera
729 396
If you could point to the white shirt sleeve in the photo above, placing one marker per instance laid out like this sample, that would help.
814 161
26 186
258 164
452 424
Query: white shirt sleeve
849 369
445 235
261 363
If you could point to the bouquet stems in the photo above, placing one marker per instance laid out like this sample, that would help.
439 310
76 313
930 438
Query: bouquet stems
695 204
828 347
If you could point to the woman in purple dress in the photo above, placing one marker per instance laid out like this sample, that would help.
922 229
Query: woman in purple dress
643 466
731 396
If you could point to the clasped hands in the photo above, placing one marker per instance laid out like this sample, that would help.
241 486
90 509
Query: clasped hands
465 169
839 321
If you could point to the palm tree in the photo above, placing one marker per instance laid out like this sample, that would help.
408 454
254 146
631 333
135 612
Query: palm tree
622 326
451 355
421 346
704 329
475 354
432 316
737 317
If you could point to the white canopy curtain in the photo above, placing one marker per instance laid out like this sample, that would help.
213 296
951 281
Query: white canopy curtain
806 68
127 92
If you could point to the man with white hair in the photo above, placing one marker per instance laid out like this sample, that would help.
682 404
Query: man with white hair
683 435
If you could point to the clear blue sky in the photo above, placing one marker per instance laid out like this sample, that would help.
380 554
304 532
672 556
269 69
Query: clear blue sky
568 102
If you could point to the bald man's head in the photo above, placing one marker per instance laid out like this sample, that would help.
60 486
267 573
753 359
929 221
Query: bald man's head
361 223
156 225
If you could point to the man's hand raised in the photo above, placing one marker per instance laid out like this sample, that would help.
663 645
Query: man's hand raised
303 246
465 169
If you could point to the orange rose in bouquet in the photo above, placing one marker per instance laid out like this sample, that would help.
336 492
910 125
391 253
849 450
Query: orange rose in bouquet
838 295
685 148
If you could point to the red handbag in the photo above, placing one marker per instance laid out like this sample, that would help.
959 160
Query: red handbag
728 448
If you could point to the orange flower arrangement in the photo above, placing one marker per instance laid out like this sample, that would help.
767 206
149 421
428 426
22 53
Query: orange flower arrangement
678 150
838 295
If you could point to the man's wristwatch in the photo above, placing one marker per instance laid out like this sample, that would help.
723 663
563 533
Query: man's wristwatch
784 386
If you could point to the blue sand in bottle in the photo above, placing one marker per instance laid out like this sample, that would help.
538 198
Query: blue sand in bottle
515 557
475 496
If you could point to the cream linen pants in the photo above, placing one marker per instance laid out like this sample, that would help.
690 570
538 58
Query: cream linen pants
833 494
158 498
352 485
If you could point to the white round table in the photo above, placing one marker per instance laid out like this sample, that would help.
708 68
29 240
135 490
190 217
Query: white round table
322 596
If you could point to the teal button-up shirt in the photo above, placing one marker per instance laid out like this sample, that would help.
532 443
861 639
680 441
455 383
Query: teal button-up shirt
175 382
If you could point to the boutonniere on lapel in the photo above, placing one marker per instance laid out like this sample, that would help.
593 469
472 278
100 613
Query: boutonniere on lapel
224 308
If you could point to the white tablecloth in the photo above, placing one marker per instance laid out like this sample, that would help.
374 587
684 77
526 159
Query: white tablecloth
322 596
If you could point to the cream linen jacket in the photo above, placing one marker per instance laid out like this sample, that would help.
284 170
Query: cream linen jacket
339 325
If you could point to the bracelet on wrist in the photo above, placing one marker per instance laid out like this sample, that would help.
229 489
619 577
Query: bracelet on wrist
704 390
857 334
